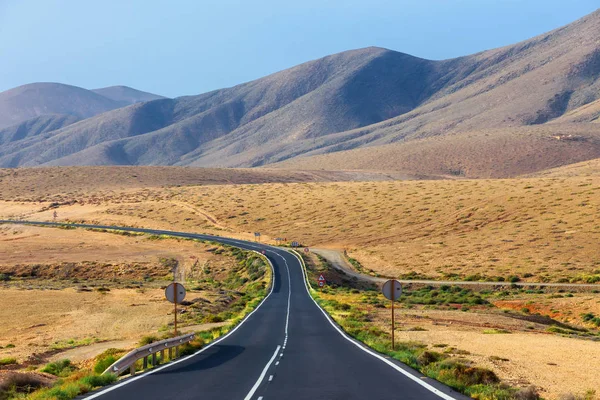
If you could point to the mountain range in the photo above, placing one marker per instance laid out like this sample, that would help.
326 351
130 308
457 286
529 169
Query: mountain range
502 112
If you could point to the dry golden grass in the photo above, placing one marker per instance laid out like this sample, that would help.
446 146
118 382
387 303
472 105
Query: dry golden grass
72 182
543 227
538 229
81 254
38 320
57 289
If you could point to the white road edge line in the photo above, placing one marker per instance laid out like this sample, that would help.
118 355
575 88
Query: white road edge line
111 388
366 350
262 375
287 318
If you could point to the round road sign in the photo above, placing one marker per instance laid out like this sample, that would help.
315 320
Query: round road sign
392 289
175 288
321 280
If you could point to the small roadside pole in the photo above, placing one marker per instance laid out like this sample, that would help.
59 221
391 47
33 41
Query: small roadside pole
175 293
392 290
257 236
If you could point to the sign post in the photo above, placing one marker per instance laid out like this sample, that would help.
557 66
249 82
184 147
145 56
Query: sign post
392 290
175 293
257 236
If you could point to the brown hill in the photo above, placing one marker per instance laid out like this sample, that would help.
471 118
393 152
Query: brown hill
487 153
366 97
30 101
585 169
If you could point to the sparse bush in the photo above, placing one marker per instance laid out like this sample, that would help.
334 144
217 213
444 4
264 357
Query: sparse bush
22 382
103 363
148 339
428 357
60 368
8 361
98 380
528 393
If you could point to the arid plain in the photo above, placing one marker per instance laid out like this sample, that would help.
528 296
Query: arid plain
537 229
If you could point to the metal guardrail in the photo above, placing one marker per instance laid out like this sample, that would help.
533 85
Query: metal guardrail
150 350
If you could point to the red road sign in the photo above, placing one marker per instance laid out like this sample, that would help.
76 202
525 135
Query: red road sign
306 250
321 280
264 252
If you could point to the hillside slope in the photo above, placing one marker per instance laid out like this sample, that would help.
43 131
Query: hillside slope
487 153
36 99
35 126
126 95
359 98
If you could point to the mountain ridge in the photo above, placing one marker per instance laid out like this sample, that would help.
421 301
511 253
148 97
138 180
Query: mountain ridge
354 99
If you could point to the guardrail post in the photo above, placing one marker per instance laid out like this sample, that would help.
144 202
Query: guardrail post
170 353
176 351
153 359
162 356
132 369
145 363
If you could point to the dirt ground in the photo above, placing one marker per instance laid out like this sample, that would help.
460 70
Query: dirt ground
553 363
41 320
520 352
85 289
537 229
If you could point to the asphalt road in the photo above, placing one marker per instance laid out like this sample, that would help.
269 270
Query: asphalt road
288 348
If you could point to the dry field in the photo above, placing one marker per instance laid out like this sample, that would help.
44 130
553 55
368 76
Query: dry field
74 293
535 229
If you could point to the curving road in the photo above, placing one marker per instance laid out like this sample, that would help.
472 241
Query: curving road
288 348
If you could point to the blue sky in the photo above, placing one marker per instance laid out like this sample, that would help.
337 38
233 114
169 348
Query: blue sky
182 47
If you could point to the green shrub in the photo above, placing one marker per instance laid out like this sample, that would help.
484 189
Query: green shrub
103 363
60 368
64 392
428 357
591 318
212 318
8 361
98 380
